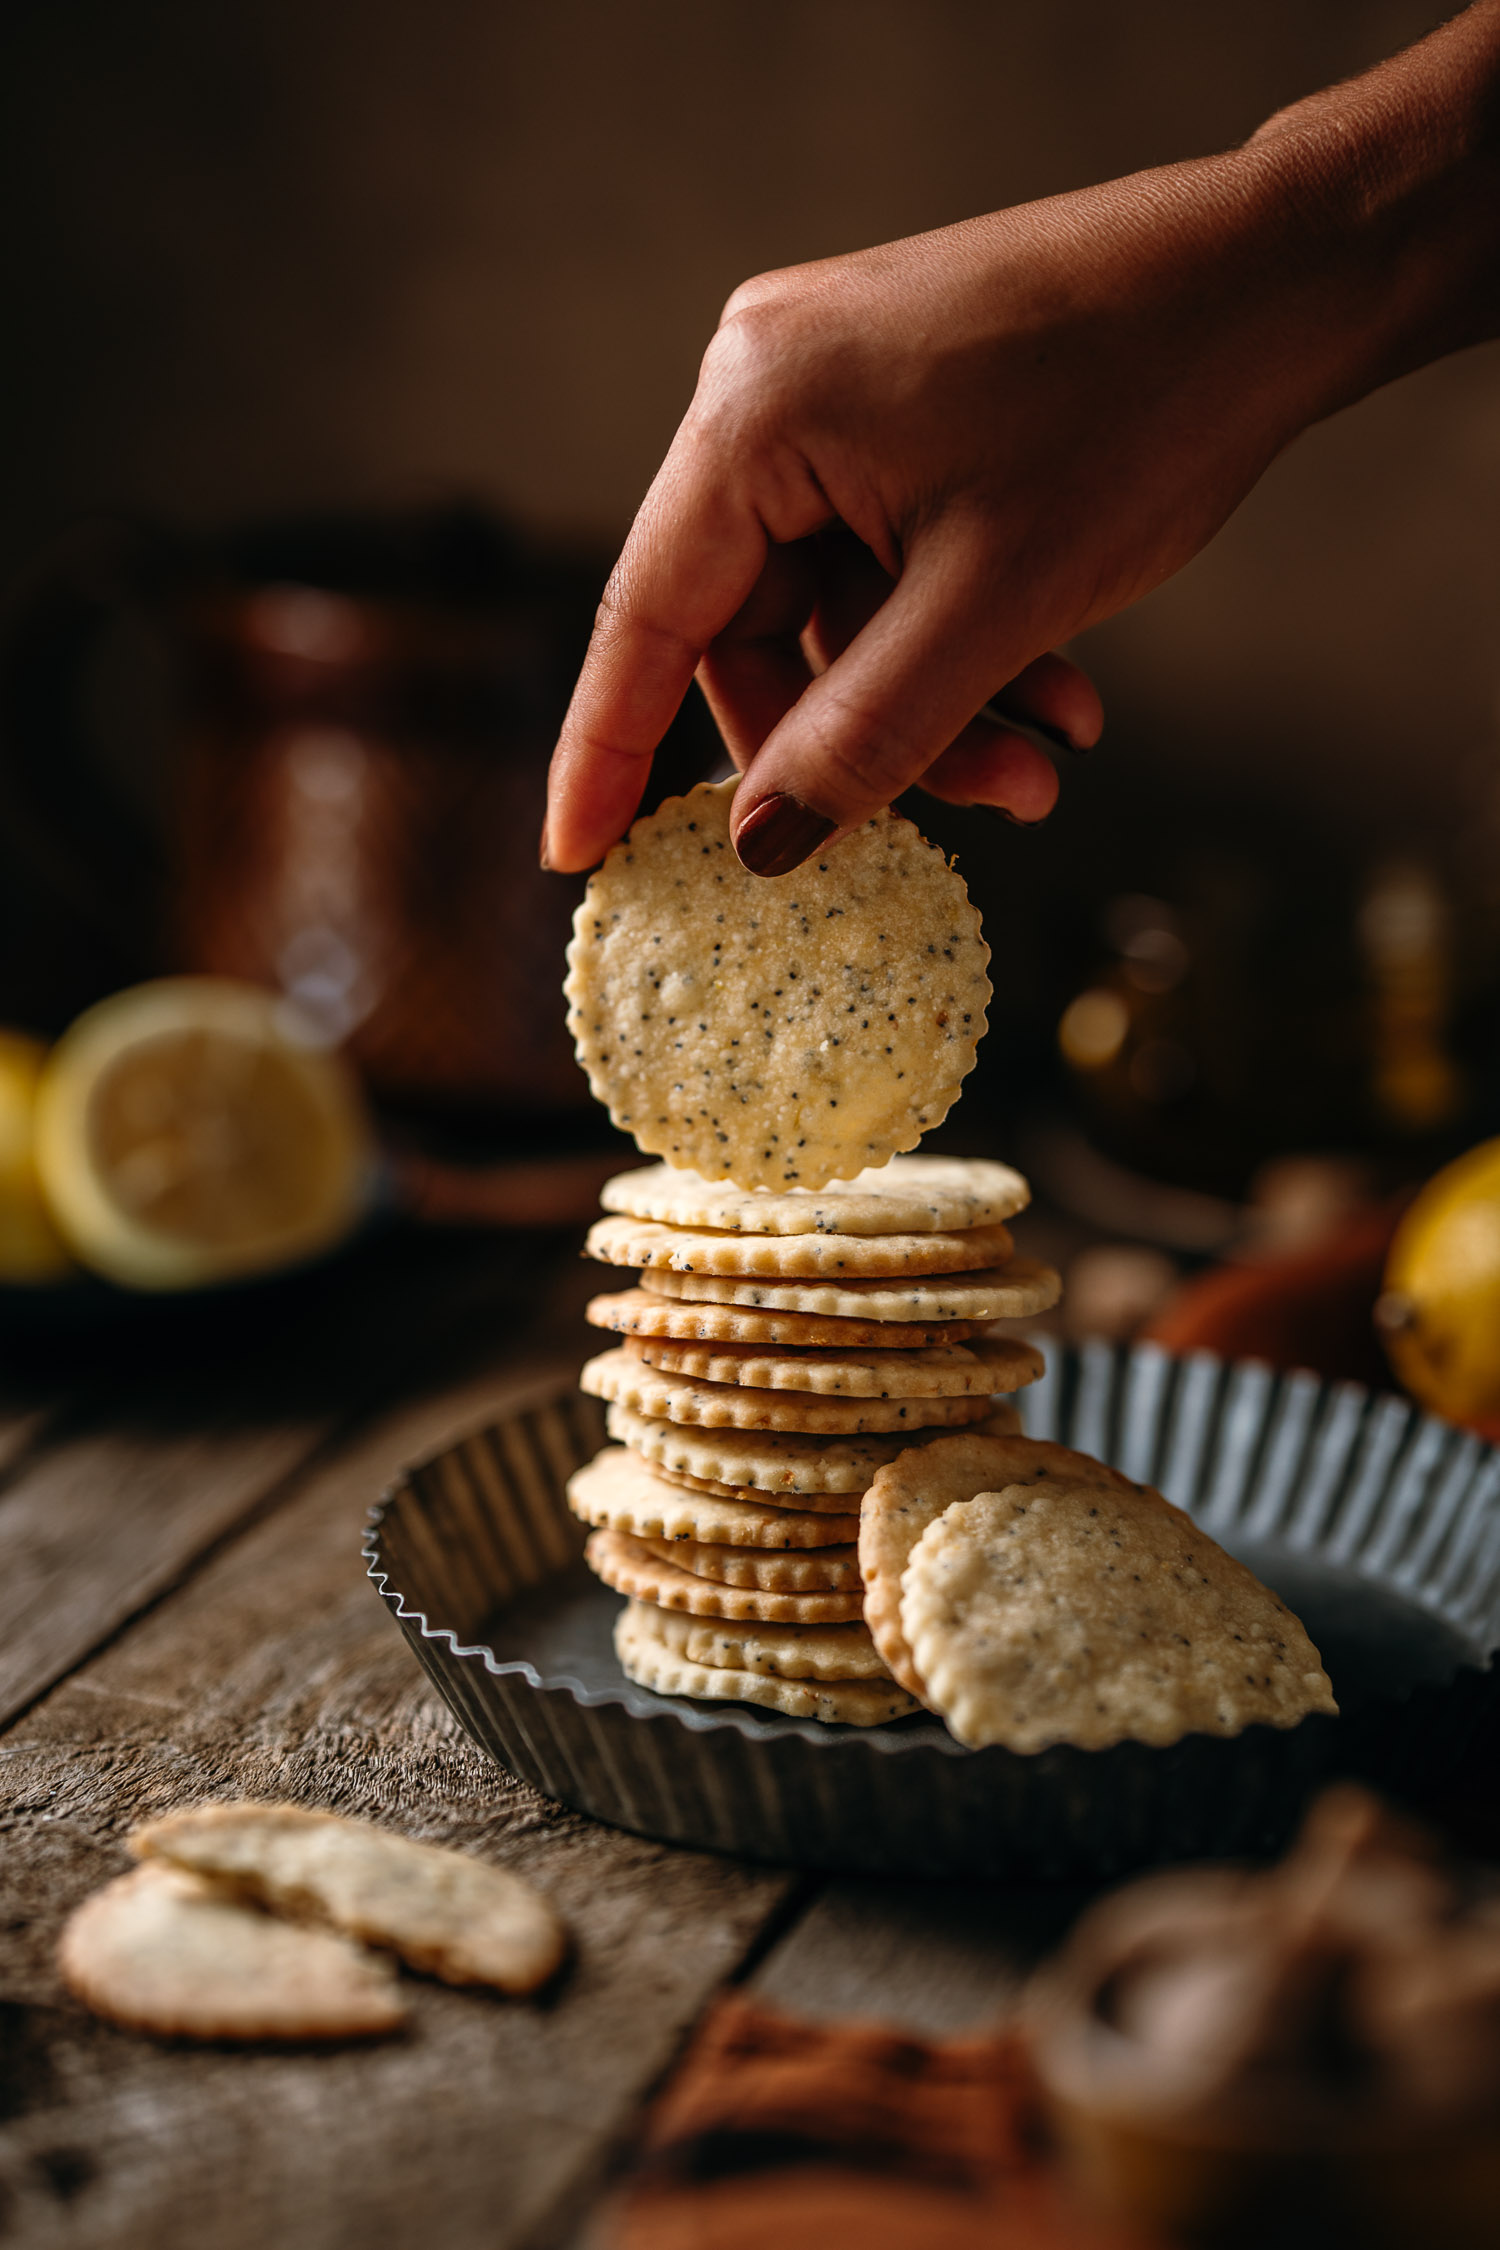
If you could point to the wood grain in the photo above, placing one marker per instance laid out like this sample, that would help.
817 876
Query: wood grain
929 1958
185 1418
101 1525
277 1672
20 1429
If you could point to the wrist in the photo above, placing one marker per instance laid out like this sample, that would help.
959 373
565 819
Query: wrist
1391 187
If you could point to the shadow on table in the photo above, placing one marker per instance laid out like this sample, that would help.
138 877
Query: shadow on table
391 1313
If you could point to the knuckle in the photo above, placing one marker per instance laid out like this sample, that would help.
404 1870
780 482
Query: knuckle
755 355
760 289
614 605
624 611
867 759
742 355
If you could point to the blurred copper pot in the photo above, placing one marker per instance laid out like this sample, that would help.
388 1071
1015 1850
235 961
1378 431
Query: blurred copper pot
361 718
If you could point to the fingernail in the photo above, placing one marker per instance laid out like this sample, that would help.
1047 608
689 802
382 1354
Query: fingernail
779 834
1003 710
1063 741
544 860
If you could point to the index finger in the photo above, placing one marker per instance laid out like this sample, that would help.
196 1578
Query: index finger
692 558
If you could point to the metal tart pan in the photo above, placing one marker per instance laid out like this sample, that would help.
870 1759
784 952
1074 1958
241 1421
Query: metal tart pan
1378 1525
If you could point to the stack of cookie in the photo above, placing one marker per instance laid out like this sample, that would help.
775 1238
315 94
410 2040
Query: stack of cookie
781 1348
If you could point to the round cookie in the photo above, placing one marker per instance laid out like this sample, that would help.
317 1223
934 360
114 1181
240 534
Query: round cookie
783 1464
821 1503
1065 1612
909 1195
633 1567
616 1491
636 1312
911 1492
645 1658
782 1031
165 1951
642 1242
620 1377
818 1570
1016 1291
1001 1421
783 1652
979 1369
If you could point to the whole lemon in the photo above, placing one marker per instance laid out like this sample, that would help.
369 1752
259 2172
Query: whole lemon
31 1249
1439 1315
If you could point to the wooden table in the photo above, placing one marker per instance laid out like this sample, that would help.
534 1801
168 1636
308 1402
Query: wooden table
181 1501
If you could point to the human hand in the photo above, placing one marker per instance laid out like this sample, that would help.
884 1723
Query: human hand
907 474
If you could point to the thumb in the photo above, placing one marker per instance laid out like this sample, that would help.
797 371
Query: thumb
904 689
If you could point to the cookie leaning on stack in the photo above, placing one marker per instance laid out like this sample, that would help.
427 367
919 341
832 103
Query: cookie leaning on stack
781 1348
1033 1595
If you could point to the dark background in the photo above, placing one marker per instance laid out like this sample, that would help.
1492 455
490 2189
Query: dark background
266 258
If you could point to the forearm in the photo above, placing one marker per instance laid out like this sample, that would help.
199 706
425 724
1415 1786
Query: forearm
1241 297
1394 181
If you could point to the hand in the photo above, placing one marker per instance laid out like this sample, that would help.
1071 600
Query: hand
909 473
905 474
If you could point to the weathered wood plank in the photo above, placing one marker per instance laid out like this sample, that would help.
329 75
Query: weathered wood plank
99 1526
20 1429
277 1672
929 1958
143 1475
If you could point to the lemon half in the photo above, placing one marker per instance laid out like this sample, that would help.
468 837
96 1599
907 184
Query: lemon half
187 1134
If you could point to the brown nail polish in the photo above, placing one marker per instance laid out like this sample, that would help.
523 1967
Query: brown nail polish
1063 741
779 834
543 858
